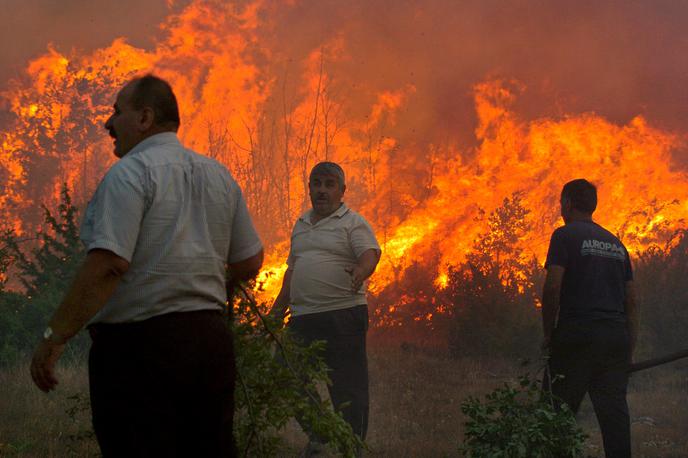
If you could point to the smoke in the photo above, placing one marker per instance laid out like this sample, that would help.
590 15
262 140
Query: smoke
28 27
437 109
617 59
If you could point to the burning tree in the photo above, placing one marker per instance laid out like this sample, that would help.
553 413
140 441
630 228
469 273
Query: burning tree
270 115
493 294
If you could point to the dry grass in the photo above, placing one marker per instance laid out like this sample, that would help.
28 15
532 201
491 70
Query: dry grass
415 408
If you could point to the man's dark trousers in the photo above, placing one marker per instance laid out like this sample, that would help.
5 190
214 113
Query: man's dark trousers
345 354
163 387
593 357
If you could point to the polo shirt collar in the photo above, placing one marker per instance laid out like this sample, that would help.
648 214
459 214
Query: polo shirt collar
338 213
163 138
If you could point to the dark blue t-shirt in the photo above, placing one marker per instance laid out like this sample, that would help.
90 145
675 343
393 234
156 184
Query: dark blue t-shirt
597 268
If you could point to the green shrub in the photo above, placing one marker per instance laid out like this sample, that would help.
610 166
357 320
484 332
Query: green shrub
520 421
277 380
493 294
44 265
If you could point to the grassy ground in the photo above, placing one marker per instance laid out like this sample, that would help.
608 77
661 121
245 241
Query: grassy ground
415 408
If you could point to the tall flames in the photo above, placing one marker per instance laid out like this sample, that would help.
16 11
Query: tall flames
269 120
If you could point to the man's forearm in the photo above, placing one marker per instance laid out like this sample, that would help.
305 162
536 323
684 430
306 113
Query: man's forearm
550 309
549 314
631 315
93 285
367 262
551 292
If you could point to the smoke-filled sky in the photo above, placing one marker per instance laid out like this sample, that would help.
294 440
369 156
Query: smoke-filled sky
616 58
28 26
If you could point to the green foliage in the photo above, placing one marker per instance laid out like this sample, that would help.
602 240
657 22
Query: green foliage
45 270
269 390
14 337
53 263
79 412
277 380
493 294
659 277
520 421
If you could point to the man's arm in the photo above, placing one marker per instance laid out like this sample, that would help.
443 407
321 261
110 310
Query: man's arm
550 301
631 315
93 285
243 270
279 307
246 269
364 268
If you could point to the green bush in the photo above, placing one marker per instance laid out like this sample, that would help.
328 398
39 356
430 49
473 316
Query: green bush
520 421
277 380
660 274
268 392
44 265
493 294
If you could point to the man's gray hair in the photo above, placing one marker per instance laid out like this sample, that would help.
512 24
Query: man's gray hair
328 168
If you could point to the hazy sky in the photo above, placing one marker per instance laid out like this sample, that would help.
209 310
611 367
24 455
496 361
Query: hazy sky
616 58
27 26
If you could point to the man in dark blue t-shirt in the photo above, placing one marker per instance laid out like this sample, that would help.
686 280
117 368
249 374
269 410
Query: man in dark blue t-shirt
589 316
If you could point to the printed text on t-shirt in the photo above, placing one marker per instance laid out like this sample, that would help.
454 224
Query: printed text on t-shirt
605 249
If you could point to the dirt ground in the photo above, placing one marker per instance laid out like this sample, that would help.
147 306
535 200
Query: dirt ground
415 408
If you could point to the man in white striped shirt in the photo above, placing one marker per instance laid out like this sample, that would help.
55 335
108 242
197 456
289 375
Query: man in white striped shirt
161 230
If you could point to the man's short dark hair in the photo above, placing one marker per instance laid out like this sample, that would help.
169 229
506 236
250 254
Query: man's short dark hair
329 168
582 194
156 93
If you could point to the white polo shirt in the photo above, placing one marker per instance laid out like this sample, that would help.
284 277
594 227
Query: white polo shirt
178 217
318 257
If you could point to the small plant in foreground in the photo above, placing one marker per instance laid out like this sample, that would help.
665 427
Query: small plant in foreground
277 380
520 421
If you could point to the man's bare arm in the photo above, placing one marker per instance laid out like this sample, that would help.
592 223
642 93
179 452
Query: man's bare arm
550 301
364 268
243 270
246 269
631 315
93 285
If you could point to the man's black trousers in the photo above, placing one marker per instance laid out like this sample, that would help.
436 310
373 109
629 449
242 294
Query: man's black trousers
345 333
593 358
163 387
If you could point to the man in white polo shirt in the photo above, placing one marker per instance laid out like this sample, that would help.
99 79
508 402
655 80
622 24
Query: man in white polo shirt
333 252
162 228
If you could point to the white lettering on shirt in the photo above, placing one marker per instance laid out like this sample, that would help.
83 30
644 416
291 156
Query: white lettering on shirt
604 249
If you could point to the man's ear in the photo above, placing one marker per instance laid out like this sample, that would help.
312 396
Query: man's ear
146 119
343 189
566 203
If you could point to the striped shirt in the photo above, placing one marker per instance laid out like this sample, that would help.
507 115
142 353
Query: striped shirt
178 217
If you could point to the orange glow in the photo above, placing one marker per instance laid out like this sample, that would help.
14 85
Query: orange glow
269 127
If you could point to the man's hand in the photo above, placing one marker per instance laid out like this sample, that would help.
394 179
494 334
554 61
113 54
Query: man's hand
43 364
278 312
358 275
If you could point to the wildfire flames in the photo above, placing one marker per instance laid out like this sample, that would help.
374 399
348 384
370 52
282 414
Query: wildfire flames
240 105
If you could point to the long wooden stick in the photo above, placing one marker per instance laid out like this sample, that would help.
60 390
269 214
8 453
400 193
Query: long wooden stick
642 365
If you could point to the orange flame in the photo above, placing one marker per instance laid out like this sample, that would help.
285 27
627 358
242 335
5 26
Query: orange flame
269 128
